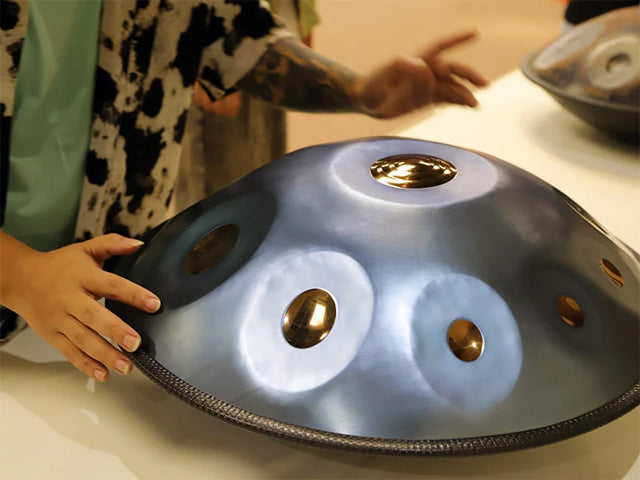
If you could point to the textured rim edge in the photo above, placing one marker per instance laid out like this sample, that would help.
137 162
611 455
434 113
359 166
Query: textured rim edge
443 447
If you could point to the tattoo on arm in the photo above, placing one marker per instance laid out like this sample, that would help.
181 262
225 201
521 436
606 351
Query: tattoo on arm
292 76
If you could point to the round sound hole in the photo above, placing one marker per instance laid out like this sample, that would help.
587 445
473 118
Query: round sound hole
569 311
465 340
612 272
413 171
309 318
211 249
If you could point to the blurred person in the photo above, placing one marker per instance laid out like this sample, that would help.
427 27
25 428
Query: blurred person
210 157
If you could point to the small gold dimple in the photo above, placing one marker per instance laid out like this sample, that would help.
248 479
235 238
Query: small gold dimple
211 249
612 272
465 340
309 318
412 171
569 311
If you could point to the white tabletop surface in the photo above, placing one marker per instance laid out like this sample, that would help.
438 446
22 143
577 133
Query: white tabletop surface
57 424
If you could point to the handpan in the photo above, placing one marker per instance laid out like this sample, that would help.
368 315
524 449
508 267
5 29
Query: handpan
593 70
392 295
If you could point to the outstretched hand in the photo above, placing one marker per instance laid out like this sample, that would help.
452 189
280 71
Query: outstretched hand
60 303
407 84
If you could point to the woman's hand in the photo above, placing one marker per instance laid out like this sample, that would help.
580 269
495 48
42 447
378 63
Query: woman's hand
57 294
407 84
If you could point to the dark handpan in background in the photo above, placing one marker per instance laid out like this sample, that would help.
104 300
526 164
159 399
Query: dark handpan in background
593 71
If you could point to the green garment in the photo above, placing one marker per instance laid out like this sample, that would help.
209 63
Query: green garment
308 15
51 121
306 11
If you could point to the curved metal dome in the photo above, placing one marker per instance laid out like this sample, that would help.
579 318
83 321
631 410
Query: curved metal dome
393 295
593 70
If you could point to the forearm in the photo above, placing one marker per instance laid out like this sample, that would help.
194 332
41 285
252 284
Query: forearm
292 76
14 259
289 75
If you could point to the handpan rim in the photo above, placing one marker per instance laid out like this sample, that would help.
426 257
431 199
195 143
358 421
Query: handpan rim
481 445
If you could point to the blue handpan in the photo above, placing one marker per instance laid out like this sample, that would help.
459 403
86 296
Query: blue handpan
392 295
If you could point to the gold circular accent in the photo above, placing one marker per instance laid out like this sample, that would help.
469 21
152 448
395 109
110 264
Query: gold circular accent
412 171
211 249
570 311
612 272
309 318
465 340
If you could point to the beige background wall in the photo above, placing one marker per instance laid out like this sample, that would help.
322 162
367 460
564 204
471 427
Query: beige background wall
366 33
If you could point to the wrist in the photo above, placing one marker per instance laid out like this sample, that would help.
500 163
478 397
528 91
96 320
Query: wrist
359 99
16 271
366 98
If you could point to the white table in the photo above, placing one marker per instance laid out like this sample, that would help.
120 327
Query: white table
54 423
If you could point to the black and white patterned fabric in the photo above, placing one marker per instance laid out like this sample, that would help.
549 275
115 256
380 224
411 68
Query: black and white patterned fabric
150 53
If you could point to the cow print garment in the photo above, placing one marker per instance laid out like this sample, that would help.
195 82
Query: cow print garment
150 54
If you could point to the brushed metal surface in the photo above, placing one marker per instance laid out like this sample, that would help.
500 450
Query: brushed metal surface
494 245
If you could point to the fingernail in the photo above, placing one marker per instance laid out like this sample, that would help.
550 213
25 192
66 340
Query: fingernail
100 375
131 342
132 242
123 366
152 304
416 61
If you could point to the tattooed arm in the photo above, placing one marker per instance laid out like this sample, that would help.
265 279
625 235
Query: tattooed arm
295 77
292 76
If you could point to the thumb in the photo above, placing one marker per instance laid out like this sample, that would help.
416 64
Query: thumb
106 246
